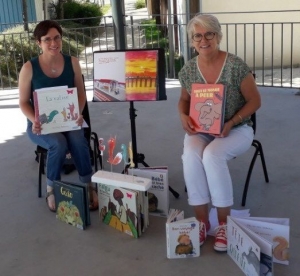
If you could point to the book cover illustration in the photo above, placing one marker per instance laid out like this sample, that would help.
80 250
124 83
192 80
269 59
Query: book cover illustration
126 76
158 194
71 205
242 249
182 236
207 107
274 230
118 208
56 108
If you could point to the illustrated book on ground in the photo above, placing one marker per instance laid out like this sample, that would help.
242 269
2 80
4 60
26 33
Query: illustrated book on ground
129 75
255 243
207 107
72 203
56 108
158 194
122 209
123 202
182 235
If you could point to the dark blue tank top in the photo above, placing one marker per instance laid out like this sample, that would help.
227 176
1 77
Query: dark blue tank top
40 80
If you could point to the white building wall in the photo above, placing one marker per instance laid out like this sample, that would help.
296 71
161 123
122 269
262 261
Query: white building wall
265 39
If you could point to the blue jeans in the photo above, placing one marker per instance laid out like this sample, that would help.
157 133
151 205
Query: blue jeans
58 145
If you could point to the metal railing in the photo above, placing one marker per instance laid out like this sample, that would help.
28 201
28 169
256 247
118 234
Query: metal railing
270 49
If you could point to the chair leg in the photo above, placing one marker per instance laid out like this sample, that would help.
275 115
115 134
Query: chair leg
258 151
262 157
40 172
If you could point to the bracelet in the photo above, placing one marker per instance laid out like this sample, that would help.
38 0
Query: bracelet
232 121
240 117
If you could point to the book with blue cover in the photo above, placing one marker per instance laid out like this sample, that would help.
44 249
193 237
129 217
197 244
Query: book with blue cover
72 203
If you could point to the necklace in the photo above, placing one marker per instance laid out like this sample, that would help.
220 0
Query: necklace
53 70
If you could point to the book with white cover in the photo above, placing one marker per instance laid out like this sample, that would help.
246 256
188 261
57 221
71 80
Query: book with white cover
122 180
56 108
158 194
182 236
255 243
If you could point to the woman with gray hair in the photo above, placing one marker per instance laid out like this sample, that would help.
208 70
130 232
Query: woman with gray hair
205 156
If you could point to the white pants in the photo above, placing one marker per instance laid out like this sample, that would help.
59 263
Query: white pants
205 168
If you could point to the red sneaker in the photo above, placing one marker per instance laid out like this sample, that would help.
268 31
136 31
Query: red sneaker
221 238
203 232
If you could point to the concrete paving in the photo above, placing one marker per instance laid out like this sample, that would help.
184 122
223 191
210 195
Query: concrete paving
33 242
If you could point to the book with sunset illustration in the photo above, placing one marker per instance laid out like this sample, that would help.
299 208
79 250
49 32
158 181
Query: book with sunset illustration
207 107
56 108
129 75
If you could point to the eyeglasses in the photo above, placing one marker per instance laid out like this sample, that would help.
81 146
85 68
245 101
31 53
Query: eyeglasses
48 40
208 36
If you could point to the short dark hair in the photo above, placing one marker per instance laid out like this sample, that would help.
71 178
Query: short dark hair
43 28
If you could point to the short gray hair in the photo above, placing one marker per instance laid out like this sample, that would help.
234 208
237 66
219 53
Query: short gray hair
206 21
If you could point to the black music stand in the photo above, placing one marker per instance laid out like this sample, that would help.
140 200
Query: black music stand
139 157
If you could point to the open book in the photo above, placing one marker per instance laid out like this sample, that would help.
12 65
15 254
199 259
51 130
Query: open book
254 243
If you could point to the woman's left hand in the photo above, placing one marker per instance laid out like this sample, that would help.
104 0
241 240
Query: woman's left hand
226 129
79 121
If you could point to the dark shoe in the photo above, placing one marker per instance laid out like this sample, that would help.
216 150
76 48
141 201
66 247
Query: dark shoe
48 194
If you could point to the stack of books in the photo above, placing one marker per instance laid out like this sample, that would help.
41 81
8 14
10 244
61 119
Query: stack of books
123 201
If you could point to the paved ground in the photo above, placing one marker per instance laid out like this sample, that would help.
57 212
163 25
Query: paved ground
34 243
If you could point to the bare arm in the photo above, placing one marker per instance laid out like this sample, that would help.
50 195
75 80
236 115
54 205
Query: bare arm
253 102
252 97
25 91
184 109
78 82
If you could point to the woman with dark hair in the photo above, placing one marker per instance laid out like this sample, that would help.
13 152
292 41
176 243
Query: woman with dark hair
53 68
205 156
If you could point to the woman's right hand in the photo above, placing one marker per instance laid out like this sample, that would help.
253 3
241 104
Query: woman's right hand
36 128
187 124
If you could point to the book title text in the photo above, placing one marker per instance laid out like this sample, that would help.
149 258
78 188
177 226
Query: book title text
206 93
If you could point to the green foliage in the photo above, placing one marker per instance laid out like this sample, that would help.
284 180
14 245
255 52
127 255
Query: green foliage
90 14
155 36
85 13
139 4
17 46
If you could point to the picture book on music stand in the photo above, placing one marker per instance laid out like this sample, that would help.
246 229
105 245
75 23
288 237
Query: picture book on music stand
129 75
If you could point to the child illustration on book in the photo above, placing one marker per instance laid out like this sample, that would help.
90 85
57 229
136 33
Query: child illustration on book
185 245
209 112
121 218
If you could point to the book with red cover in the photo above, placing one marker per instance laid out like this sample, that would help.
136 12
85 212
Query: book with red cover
207 107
